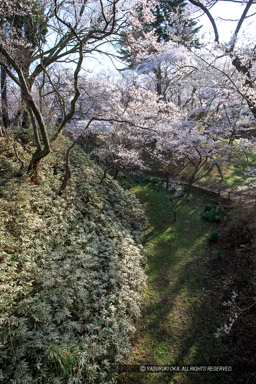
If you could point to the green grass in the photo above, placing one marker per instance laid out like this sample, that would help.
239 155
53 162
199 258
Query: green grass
234 176
234 172
179 320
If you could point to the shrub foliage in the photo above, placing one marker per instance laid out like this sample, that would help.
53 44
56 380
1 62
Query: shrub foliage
214 237
213 213
71 274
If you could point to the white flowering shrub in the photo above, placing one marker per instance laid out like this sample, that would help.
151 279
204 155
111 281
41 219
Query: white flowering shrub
71 275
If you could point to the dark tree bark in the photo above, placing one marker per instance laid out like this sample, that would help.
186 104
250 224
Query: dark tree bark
104 176
158 74
25 123
4 101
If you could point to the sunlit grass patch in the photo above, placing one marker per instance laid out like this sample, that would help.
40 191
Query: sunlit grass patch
235 171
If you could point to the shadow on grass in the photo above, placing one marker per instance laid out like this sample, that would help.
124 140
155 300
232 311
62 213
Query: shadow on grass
179 318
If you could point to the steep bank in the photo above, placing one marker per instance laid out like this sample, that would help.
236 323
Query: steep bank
71 271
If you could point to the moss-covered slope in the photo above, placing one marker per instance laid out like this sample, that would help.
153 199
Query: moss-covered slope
71 271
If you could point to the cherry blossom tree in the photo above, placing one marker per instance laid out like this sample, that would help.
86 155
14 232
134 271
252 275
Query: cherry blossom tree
134 114
146 133
74 30
202 100
242 58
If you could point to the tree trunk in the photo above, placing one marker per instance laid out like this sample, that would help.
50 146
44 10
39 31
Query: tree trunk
104 176
25 123
158 74
174 207
167 181
5 116
116 174
220 171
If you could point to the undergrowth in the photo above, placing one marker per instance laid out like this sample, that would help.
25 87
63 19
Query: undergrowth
71 270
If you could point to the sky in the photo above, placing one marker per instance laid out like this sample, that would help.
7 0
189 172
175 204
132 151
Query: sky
229 11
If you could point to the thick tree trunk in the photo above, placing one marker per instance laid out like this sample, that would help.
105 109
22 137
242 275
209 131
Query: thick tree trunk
4 102
158 74
25 123
25 119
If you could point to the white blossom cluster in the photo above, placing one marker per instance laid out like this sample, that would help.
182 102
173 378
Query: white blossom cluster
230 302
226 328
71 276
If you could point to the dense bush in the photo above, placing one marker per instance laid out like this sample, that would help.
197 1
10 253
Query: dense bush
218 255
214 237
71 274
157 184
140 179
213 213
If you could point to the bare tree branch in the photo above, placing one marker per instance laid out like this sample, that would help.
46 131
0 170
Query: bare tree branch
206 11
238 27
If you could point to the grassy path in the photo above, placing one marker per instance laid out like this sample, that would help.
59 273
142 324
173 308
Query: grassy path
179 318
